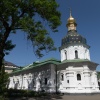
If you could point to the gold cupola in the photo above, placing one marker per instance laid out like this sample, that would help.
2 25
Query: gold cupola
71 23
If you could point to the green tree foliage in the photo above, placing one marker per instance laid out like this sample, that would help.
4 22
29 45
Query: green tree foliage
29 16
98 75
8 45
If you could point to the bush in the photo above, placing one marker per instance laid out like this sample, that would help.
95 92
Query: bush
19 93
23 93
2 98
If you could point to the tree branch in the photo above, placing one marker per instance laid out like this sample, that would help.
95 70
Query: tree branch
4 23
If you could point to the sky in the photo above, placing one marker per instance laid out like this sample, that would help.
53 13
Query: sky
87 15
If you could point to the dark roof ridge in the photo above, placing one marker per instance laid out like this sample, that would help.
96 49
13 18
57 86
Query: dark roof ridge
7 63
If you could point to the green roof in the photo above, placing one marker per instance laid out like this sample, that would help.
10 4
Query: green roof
78 61
37 64
48 61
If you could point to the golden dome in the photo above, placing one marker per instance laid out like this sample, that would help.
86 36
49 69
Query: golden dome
71 20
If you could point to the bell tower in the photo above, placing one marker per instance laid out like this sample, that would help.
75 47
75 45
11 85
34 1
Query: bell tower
73 45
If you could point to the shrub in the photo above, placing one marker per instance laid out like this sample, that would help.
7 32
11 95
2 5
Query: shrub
23 93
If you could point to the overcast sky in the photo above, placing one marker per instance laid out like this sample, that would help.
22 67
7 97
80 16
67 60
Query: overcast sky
87 15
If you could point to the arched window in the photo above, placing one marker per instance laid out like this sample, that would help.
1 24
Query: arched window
62 77
67 81
76 54
85 54
78 77
65 54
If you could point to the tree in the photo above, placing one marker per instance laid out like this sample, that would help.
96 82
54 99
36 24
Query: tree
98 75
4 79
29 16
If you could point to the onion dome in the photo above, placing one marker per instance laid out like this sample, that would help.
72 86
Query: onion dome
71 20
73 38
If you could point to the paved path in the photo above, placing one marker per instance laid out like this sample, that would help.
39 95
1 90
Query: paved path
71 97
80 97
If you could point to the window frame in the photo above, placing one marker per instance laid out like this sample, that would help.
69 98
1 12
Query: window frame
62 77
76 54
78 77
65 52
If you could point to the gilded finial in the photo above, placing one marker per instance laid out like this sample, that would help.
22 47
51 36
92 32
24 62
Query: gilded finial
71 23
70 12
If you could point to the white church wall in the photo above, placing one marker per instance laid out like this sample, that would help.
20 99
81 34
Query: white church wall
37 79
53 78
11 83
71 83
69 52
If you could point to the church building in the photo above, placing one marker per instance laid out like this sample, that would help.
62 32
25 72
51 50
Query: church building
75 73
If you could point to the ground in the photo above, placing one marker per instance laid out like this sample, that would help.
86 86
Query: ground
64 97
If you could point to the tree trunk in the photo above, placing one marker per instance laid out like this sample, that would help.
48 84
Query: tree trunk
1 60
2 45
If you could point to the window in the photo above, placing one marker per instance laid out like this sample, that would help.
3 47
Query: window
67 81
85 54
62 77
78 77
54 81
76 54
65 54
33 81
45 81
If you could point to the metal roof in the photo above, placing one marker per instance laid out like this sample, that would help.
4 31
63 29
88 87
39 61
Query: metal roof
37 64
6 63
51 61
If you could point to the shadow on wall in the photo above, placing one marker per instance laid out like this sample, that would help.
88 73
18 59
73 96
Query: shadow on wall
40 84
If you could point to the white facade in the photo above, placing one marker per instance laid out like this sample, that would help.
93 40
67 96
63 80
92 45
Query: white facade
67 77
78 73
37 79
78 80
69 52
75 73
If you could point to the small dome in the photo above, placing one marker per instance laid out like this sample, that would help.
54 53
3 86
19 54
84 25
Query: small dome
71 20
